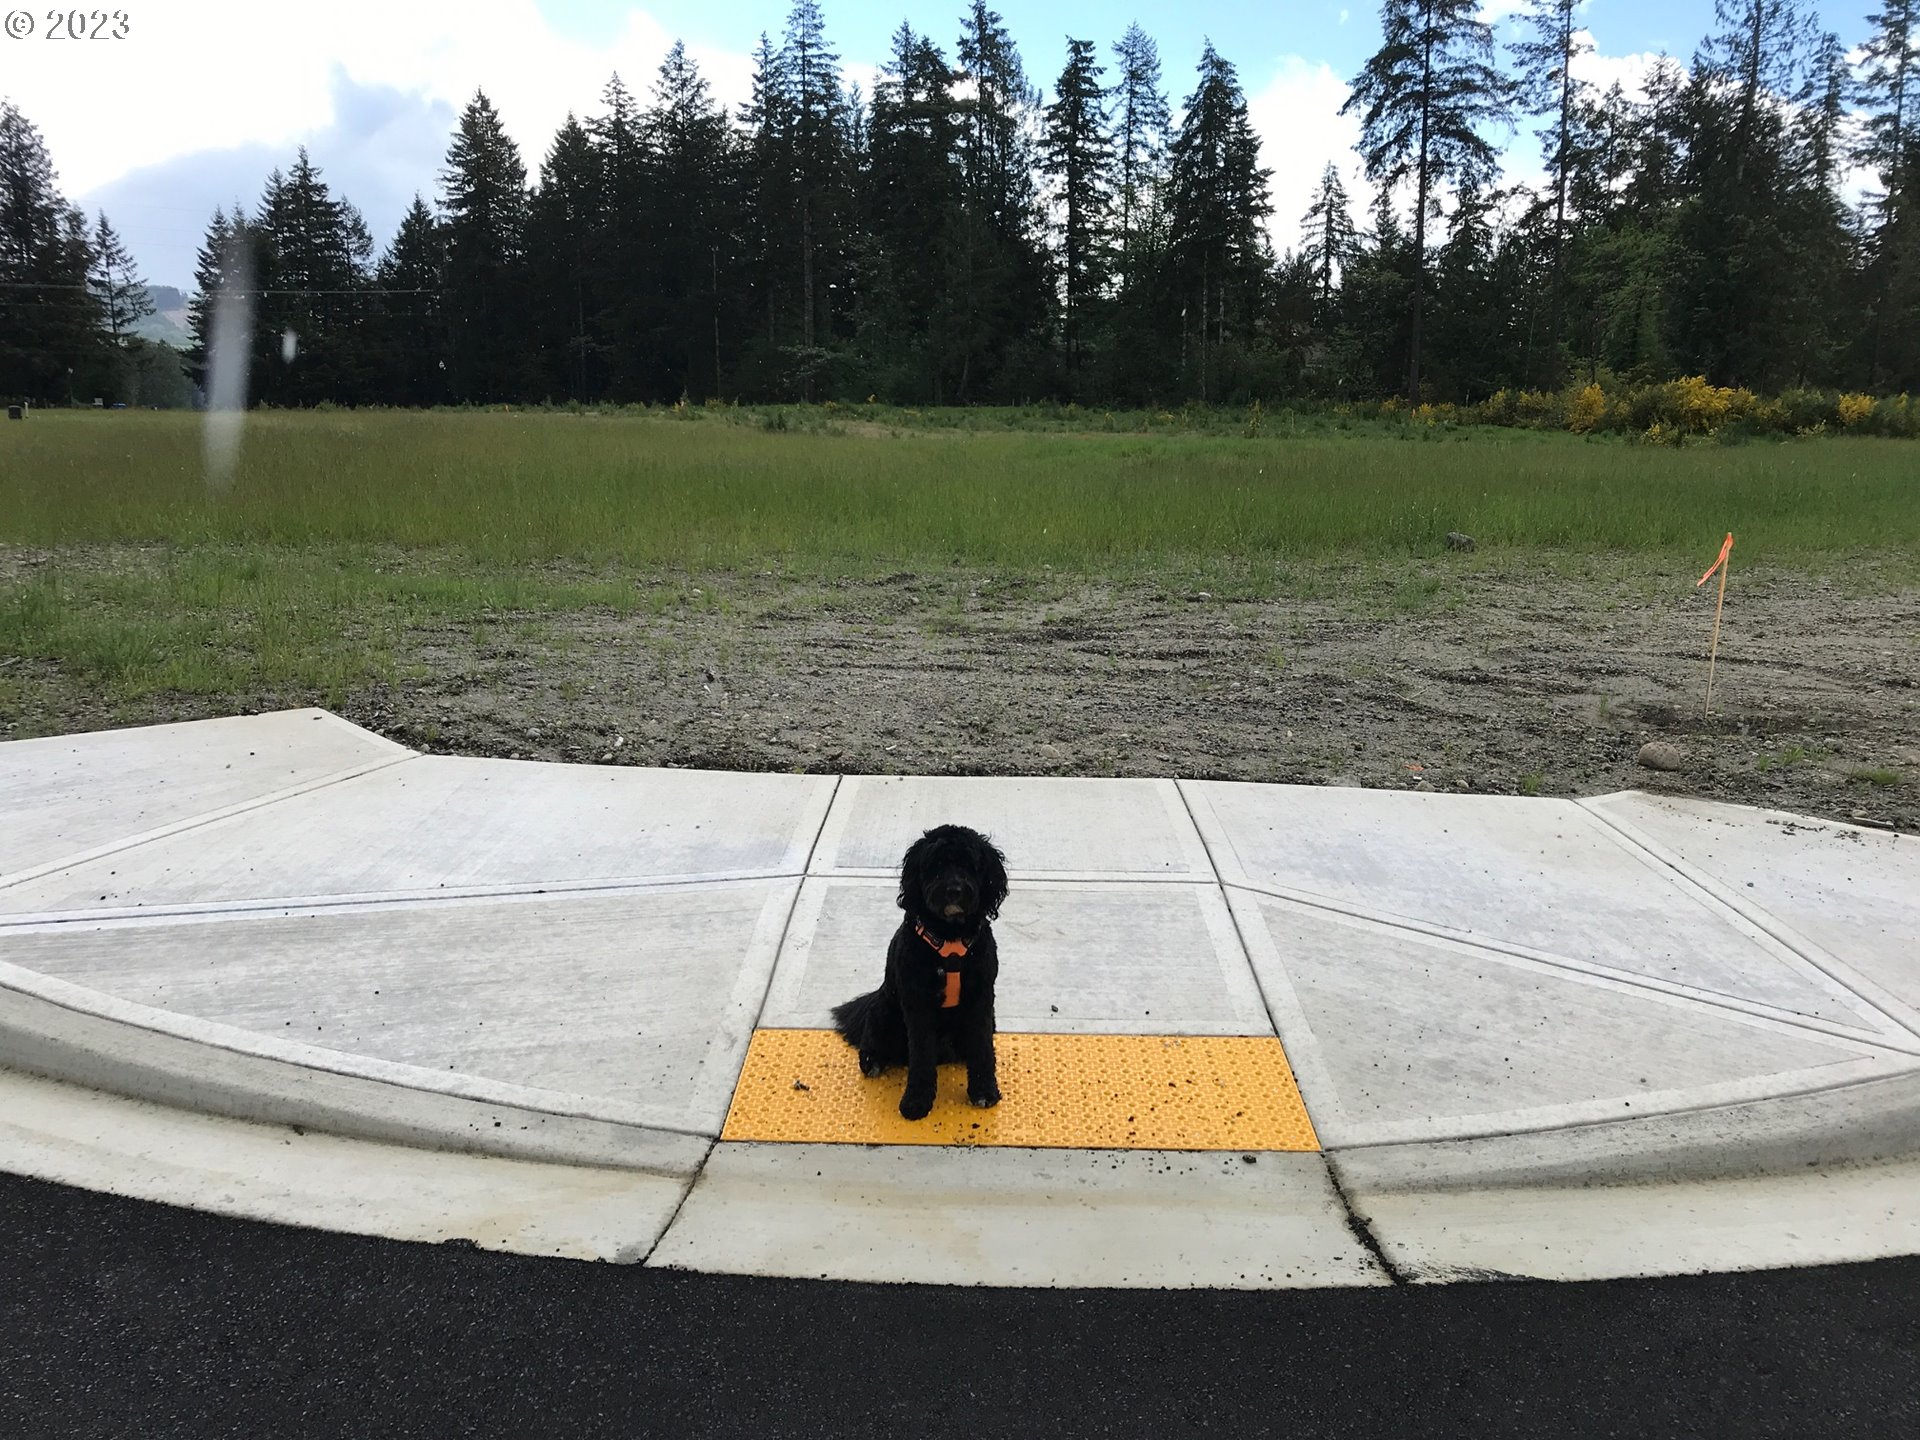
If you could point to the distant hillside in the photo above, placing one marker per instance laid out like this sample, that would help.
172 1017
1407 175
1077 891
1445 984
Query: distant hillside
169 322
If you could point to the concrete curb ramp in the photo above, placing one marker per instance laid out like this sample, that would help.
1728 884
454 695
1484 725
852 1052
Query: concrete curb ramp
281 967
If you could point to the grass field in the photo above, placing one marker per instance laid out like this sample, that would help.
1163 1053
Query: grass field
876 591
509 488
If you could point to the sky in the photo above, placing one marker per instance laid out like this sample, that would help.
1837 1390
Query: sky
202 99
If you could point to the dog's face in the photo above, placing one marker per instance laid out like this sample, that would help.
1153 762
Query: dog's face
953 875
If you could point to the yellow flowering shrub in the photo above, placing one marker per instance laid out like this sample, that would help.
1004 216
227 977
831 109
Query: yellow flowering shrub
1693 404
1854 409
1589 408
1537 407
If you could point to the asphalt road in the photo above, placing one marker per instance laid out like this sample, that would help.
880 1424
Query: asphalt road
125 1319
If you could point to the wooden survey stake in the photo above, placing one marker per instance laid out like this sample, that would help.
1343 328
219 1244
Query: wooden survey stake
1713 650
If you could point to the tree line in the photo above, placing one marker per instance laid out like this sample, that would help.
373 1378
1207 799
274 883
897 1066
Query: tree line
956 237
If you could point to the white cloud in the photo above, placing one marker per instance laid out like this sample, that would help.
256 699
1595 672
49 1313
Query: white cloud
1603 71
1297 116
197 75
1493 12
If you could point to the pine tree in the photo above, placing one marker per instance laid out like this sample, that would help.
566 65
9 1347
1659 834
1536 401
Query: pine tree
1741 285
1329 235
409 341
913 211
209 273
566 217
1424 97
1005 306
1217 260
767 207
311 253
123 297
816 150
484 197
1470 337
1077 153
50 318
695 182
1888 89
1548 87
621 262
224 267
1756 54
1370 344
1815 327
1141 129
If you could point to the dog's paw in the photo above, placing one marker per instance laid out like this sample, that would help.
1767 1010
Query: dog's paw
984 1097
915 1104
870 1065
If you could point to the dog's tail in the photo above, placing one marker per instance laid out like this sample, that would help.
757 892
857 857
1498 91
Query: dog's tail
851 1018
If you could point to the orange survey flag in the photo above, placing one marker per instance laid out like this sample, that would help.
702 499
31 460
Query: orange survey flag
1726 549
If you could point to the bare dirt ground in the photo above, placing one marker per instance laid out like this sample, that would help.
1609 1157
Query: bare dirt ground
1455 676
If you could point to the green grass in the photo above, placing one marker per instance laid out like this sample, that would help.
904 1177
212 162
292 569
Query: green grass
344 534
232 620
520 487
1876 775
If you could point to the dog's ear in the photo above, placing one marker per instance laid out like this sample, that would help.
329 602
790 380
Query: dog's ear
913 871
992 866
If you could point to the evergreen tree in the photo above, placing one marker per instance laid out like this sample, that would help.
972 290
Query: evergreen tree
1888 89
1819 243
209 274
1217 259
484 197
815 149
1548 87
620 261
1141 128
1424 96
1740 286
122 294
311 255
1470 337
566 218
1371 337
1330 238
409 335
1755 55
50 318
694 195
224 267
1078 154
913 217
1005 306
768 202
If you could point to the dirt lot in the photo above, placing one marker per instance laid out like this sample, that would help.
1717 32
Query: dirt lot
1456 674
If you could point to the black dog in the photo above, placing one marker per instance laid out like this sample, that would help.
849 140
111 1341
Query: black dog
936 1003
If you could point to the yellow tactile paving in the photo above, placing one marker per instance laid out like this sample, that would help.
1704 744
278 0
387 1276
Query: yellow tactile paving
1095 1092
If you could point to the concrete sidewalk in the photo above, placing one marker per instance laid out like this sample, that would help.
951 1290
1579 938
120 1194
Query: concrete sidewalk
1488 1005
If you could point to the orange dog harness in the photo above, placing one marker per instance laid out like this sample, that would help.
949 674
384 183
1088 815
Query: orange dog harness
946 950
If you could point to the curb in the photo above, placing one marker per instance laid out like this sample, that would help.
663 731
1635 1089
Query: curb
1857 1123
82 1037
